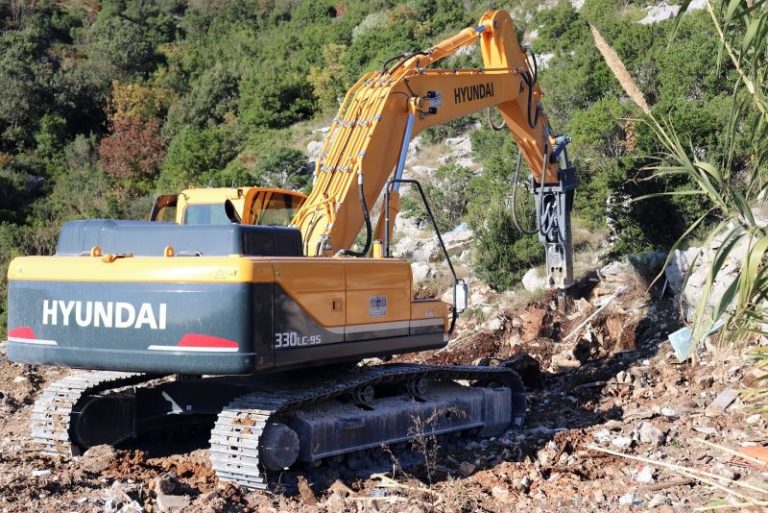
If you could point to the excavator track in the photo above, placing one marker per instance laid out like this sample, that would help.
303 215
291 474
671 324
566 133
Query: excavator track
235 444
51 416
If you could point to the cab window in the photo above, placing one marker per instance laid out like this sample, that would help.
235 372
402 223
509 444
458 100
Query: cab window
206 214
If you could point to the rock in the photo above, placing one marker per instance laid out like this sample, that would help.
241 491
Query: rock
602 436
688 270
131 507
725 471
658 500
501 494
208 497
615 270
706 430
657 13
307 495
703 378
721 402
669 412
534 279
622 442
645 475
650 434
598 496
97 459
627 499
466 469
546 455
457 237
754 377
414 148
341 489
164 484
172 503
461 148
314 148
565 361
420 271
494 325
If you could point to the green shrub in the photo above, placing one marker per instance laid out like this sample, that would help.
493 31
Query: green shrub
195 157
446 194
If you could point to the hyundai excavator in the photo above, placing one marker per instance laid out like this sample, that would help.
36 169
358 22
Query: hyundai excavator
259 329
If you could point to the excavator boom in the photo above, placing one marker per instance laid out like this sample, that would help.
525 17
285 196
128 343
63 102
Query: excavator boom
368 140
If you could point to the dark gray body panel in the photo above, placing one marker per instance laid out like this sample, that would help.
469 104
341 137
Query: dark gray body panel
205 328
150 238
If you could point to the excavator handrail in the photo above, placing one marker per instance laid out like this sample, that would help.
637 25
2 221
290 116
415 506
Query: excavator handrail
394 181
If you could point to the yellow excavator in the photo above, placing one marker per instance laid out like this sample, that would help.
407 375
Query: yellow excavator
250 308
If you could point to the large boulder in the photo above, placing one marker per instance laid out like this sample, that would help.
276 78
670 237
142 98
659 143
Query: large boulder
535 279
420 271
460 151
687 273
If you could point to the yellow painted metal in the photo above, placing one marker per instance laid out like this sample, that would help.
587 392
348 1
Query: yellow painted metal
368 131
378 249
430 309
394 210
314 288
159 269
390 280
334 291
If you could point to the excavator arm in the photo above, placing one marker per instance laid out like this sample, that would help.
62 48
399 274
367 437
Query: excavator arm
368 141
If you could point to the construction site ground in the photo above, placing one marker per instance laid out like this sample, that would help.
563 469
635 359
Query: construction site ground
608 381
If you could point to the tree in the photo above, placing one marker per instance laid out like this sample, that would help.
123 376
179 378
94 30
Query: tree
119 48
447 195
195 157
275 98
212 97
285 168
133 151
328 81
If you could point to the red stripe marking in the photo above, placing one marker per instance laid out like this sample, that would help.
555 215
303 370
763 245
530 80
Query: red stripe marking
22 332
196 340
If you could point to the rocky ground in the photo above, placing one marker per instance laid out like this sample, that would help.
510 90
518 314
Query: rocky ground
608 381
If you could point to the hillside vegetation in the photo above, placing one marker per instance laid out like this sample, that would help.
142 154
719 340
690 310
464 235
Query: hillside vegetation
104 104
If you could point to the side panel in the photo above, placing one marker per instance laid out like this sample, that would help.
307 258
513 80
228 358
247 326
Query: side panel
332 310
378 293
210 328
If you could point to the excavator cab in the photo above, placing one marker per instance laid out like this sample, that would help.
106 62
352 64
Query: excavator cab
242 205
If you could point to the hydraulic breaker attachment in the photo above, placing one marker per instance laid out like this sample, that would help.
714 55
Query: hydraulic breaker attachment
554 203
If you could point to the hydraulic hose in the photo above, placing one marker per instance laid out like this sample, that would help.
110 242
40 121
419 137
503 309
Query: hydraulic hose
367 217
530 80
494 127
403 57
